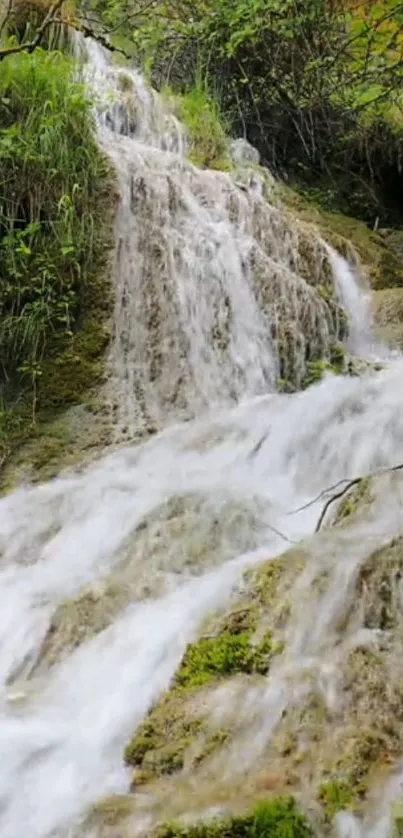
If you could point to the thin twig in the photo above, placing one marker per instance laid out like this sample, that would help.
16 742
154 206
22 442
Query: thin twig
349 486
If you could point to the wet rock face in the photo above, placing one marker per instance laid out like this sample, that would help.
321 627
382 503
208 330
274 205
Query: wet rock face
388 316
215 738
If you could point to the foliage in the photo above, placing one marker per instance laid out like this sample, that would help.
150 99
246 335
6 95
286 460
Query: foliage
199 110
315 85
52 188
336 795
275 818
212 657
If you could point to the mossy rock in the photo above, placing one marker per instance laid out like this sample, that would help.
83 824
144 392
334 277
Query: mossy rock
380 587
278 817
109 816
77 620
162 739
356 499
177 733
388 316
350 236
174 727
214 657
337 795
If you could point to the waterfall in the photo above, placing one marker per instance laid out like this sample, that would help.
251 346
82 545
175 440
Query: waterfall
212 281
220 291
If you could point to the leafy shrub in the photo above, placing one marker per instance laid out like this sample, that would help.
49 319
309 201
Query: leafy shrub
52 188
206 127
315 85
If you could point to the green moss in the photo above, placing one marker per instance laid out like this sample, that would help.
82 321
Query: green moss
112 810
270 582
337 795
275 818
214 657
160 742
359 496
211 743
346 235
397 820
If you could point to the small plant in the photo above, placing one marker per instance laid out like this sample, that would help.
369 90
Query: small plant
213 657
200 111
337 795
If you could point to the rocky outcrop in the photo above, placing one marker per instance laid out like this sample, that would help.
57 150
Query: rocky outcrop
322 726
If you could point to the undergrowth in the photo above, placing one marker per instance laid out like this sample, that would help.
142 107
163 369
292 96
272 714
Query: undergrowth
275 818
55 189
206 126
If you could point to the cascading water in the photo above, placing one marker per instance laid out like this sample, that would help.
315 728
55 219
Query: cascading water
210 280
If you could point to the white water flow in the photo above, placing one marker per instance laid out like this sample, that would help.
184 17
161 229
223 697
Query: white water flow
210 279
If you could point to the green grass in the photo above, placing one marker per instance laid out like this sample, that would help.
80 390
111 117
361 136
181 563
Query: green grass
52 179
56 209
206 126
336 796
275 818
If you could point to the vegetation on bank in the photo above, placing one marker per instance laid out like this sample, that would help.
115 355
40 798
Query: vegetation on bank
56 208
275 818
206 126
162 741
316 86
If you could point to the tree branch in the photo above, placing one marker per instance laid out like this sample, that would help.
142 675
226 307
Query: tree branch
349 485
30 46
88 32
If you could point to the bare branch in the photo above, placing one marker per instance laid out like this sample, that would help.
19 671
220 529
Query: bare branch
350 485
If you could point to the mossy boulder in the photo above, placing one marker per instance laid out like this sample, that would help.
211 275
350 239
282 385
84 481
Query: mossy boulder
178 733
